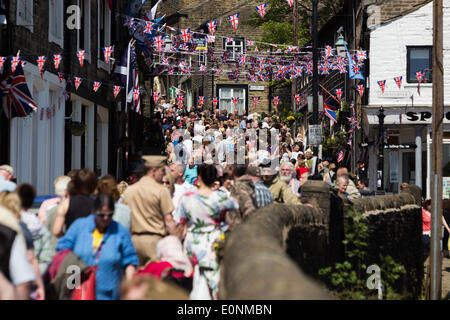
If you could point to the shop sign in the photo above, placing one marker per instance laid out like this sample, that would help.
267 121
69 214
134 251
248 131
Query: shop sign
400 146
315 135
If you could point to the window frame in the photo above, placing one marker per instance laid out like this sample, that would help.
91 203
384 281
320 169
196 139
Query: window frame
107 34
234 86
233 45
408 63
29 24
52 37
85 28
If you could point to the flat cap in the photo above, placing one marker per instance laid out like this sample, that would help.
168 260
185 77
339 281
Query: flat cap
155 161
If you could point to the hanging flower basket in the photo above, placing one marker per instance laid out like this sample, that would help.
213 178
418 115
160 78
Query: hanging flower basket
78 128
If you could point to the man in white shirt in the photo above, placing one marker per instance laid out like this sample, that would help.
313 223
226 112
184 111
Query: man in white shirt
181 186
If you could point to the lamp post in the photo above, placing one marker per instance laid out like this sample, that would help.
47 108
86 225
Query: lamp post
381 117
340 46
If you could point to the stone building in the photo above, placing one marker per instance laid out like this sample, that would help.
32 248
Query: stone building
195 15
41 146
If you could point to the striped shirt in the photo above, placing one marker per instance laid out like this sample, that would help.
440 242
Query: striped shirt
262 194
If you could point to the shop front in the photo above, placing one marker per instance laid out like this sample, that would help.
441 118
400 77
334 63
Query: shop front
407 149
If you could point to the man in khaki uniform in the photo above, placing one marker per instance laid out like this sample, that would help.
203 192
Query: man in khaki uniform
281 192
151 209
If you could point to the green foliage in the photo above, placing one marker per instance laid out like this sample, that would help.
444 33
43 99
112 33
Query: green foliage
347 280
331 145
278 20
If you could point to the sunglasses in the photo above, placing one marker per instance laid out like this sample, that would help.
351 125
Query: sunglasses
103 215
166 182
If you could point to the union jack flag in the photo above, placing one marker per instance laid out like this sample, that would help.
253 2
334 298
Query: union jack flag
252 78
96 85
156 96
203 68
210 39
19 102
148 27
420 76
329 51
360 89
341 68
165 61
129 22
338 93
137 99
256 100
41 61
298 98
250 43
262 9
356 68
14 62
66 95
241 60
80 55
201 101
171 71
180 99
60 77
234 19
298 72
324 69
290 2
158 43
107 51
309 68
361 55
116 90
212 25
228 40
57 60
398 81
382 85
2 62
186 35
214 100
340 155
276 100
77 82
235 101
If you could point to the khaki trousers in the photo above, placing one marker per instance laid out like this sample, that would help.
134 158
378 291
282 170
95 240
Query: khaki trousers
145 246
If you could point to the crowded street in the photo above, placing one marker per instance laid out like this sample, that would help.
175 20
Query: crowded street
241 150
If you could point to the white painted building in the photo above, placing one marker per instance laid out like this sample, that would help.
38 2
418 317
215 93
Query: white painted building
401 47
37 141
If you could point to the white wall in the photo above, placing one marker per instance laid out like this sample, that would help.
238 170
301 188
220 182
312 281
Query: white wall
388 57
37 146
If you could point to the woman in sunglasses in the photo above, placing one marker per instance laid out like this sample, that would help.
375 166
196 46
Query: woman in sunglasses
97 239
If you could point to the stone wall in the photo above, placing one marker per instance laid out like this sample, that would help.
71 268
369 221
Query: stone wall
277 252
256 266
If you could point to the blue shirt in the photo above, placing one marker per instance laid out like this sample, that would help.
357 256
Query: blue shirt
190 174
262 194
6 185
117 253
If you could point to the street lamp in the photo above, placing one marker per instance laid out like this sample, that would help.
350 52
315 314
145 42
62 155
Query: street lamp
340 46
381 117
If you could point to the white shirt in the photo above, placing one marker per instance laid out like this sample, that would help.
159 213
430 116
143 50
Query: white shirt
180 190
20 269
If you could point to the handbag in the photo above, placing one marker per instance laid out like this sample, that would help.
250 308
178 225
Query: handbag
86 290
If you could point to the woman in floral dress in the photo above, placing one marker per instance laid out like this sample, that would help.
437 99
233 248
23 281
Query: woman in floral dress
204 213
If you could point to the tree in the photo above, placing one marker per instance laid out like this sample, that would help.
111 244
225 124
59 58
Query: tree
277 22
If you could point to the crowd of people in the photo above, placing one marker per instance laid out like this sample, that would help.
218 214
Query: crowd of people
167 221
